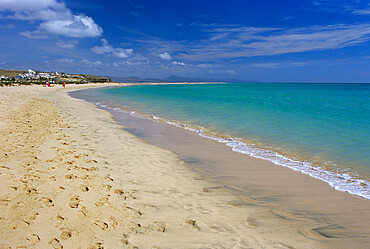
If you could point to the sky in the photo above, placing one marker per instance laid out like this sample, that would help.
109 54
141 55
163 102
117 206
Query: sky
264 40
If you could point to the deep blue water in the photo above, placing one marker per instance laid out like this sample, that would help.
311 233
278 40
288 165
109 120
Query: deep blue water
325 126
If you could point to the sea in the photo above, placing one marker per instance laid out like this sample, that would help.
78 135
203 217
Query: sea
322 130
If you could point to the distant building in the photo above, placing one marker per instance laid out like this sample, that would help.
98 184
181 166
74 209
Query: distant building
31 72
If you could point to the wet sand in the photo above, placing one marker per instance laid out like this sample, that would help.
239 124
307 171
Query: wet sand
72 177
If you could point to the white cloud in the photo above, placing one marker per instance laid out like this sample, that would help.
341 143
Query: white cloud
106 48
34 34
273 65
55 17
286 18
266 65
91 63
204 65
224 43
80 26
65 61
165 56
68 44
357 7
229 71
361 12
123 53
177 63
27 7
134 63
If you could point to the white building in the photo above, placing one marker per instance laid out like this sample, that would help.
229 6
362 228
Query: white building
31 72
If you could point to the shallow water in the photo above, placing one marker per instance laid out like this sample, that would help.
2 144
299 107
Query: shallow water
319 129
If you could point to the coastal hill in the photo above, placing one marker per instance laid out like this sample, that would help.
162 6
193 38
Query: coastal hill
29 76
10 73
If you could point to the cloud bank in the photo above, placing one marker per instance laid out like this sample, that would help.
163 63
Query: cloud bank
55 17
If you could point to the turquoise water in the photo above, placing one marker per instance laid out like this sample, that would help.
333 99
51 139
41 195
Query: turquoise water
320 129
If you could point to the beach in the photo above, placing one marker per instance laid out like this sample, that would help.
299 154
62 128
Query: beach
73 177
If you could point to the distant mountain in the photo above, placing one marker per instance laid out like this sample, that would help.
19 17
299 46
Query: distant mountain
172 78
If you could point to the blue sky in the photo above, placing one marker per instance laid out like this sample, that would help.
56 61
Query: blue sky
265 40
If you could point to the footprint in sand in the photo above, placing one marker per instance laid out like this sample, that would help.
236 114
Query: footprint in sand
59 220
14 187
66 234
70 162
32 217
108 178
102 201
106 187
190 223
124 241
97 245
54 242
84 188
74 202
71 176
125 195
87 177
47 201
158 226
33 239
93 169
101 224
250 222
119 191
73 168
91 161
82 213
31 190
113 222
131 212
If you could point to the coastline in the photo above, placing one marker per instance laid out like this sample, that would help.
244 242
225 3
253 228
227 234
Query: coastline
108 187
341 179
342 215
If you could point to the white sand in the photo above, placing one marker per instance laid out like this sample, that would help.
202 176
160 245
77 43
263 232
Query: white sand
71 177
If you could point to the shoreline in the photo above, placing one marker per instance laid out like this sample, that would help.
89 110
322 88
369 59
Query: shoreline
295 187
344 181
335 180
80 179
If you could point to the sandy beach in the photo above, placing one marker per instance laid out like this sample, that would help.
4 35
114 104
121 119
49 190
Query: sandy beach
72 177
